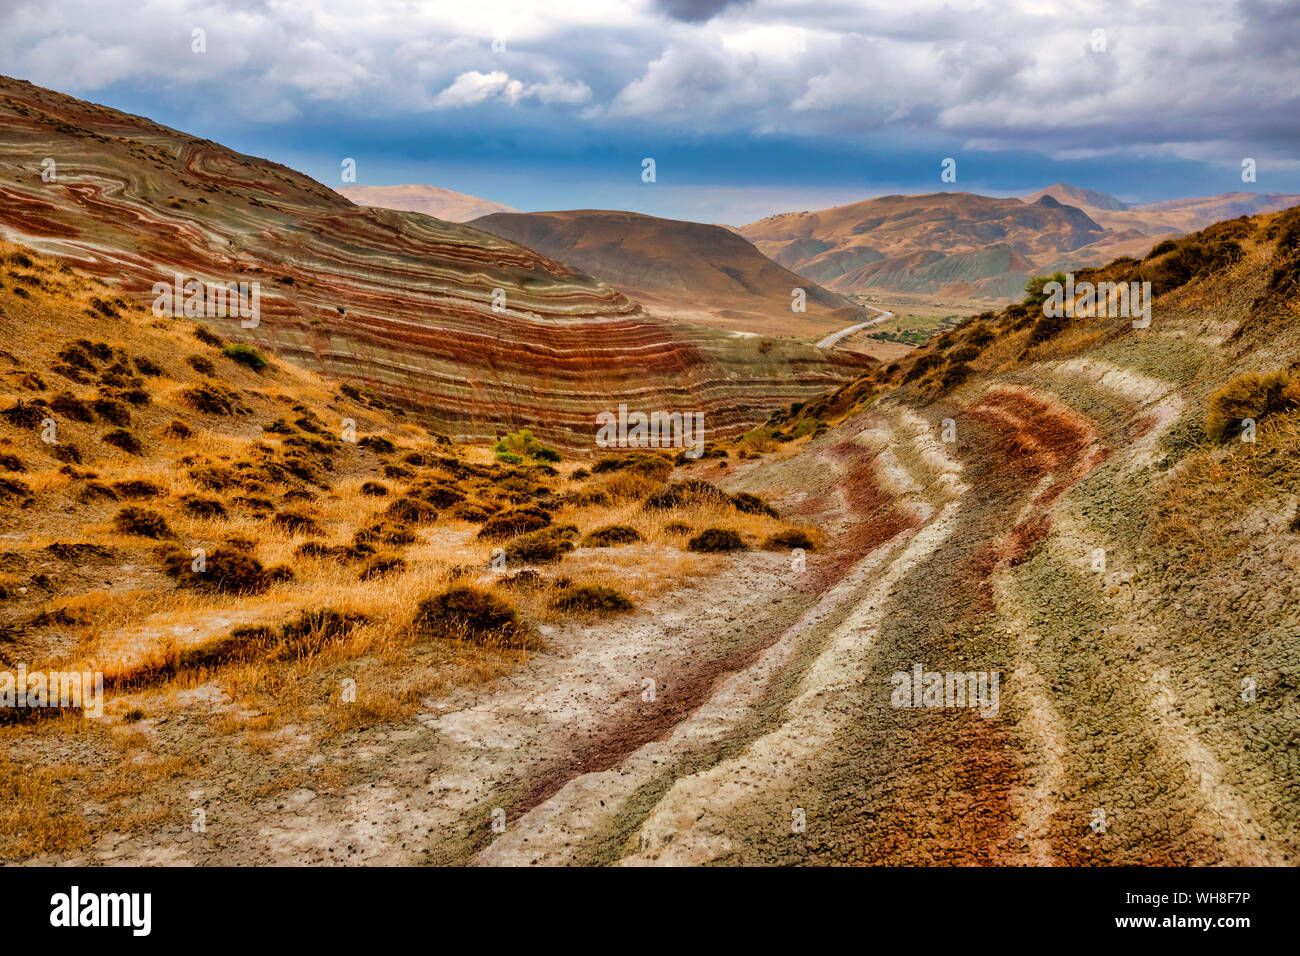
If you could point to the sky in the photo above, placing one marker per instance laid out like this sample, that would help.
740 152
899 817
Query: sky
747 108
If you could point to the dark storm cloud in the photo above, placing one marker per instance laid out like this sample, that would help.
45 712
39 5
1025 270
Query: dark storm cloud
696 11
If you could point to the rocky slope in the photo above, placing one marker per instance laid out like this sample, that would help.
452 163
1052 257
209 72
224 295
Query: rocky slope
473 332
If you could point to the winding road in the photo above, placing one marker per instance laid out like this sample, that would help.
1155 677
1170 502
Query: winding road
834 337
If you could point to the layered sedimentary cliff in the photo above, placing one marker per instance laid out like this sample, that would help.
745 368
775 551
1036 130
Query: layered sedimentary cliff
473 331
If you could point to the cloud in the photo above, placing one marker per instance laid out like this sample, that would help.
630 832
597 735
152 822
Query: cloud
1176 77
695 11
472 88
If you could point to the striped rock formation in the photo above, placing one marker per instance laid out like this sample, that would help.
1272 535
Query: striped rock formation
474 332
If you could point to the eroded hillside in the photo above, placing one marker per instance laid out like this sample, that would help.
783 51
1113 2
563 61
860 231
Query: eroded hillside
1068 504
474 332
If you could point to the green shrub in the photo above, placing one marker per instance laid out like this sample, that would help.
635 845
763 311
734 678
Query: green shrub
514 447
246 355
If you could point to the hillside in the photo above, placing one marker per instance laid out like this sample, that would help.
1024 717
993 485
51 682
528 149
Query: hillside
950 244
960 246
236 545
689 270
473 333
431 200
1065 504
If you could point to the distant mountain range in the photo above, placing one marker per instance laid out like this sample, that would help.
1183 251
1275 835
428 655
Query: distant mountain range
949 245
687 270
963 245
433 201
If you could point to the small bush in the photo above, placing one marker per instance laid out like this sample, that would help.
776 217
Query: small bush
381 564
591 597
1249 396
112 411
541 547
514 447
177 429
208 337
13 489
123 439
197 506
147 366
713 540
469 613
517 521
374 489
201 365
137 488
246 355
296 522
788 540
142 521
611 536
407 511
690 492
471 512
231 569
214 399
749 504
67 404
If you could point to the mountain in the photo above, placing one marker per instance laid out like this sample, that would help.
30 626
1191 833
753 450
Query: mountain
952 244
1173 217
1074 196
688 270
430 200
472 332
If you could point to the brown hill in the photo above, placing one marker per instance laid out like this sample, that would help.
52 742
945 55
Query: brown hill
688 270
430 200
1173 217
472 331
942 243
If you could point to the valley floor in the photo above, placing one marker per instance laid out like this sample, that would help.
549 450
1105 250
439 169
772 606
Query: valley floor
749 718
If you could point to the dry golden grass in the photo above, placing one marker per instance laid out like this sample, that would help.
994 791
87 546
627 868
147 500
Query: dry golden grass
117 610
1202 506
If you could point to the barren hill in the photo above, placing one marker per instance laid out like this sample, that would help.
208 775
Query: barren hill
1170 218
473 332
431 200
686 269
945 243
